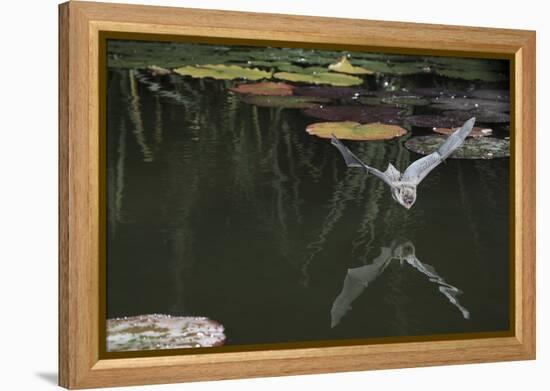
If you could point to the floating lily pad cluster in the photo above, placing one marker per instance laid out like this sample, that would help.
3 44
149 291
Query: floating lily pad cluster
335 88
155 331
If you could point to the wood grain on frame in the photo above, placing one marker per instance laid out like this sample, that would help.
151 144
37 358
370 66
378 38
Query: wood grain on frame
80 365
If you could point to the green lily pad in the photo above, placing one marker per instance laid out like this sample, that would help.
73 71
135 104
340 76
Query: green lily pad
298 69
344 66
266 64
472 148
405 100
223 72
287 102
147 332
265 88
484 116
500 95
349 130
335 79
433 121
474 74
455 103
475 132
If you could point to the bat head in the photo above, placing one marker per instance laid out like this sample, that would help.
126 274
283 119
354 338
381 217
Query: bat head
405 195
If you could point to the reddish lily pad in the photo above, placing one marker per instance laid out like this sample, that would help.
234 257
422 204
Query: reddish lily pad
287 102
472 148
476 131
330 92
265 88
433 121
349 130
363 114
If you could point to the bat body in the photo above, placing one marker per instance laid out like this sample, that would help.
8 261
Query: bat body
403 185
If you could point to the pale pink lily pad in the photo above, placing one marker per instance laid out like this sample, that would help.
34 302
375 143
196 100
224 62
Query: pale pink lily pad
155 331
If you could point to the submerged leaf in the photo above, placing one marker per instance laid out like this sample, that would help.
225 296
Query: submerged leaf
472 148
344 66
265 88
349 130
288 102
223 72
334 79
146 332
385 114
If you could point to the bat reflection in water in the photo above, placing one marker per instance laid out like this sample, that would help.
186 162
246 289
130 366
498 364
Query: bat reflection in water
357 279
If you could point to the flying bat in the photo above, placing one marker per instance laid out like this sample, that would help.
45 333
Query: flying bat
403 185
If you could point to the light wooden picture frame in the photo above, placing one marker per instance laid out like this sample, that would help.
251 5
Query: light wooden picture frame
81 25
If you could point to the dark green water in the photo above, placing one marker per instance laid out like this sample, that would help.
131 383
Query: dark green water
223 209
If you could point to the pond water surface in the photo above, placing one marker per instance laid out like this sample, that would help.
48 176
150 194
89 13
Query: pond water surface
228 210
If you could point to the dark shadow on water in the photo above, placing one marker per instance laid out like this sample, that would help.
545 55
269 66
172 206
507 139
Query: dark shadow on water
48 377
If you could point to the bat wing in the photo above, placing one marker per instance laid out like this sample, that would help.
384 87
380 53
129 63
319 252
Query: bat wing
417 171
354 161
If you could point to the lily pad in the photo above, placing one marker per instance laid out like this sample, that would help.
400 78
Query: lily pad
433 121
298 69
454 103
344 66
158 71
472 148
487 75
476 131
146 332
501 95
484 116
287 102
363 114
335 79
223 72
265 88
411 100
349 130
392 67
330 92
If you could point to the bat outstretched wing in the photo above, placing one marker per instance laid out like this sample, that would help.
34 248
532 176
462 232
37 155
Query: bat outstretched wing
353 161
417 171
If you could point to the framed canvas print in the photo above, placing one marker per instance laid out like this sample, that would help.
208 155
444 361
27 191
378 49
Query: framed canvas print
247 195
